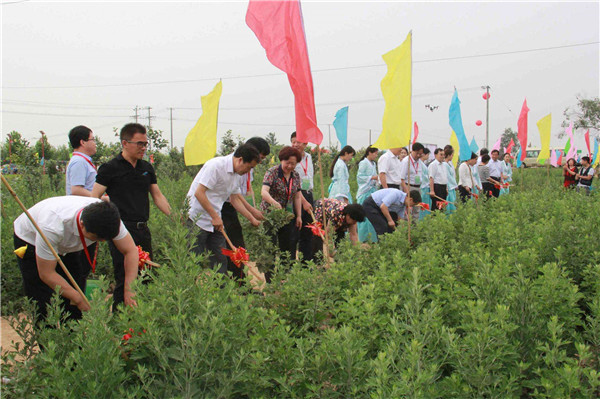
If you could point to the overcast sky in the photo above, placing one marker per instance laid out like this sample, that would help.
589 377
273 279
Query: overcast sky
71 63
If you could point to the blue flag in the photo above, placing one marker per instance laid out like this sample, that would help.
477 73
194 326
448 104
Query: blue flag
519 162
341 126
595 152
474 146
457 126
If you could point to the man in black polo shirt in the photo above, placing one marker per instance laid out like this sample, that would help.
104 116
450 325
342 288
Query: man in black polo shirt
127 179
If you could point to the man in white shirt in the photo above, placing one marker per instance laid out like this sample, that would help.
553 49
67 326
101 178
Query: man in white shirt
410 173
466 181
438 178
385 206
495 166
389 169
305 169
231 222
70 224
217 181
585 176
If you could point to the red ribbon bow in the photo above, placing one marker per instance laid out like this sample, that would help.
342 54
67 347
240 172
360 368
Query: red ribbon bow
475 196
317 229
239 256
442 204
424 205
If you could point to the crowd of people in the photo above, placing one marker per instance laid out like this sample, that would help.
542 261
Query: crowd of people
112 203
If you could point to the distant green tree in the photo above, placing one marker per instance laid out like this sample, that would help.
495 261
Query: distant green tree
228 143
14 144
508 135
49 151
271 139
586 115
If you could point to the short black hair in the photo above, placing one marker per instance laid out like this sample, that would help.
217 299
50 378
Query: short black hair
586 158
438 150
485 158
417 147
473 155
248 153
426 151
484 151
355 211
293 135
130 129
495 151
260 144
102 219
415 195
77 134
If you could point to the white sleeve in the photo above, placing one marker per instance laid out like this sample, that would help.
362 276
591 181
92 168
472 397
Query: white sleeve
383 164
122 232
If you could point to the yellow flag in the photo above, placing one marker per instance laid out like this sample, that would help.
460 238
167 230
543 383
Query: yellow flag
544 126
396 87
456 146
201 141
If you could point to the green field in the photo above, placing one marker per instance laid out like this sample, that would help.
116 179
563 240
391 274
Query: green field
500 301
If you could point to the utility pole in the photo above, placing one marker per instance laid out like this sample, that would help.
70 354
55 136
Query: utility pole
43 160
149 128
487 116
136 113
171 111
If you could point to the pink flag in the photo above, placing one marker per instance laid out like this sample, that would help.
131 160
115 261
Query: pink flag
569 131
417 133
497 146
587 142
279 28
572 153
510 147
522 129
553 160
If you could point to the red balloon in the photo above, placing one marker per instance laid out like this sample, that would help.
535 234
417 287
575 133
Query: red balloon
486 95
478 123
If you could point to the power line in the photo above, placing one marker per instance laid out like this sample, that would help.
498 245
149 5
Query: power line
65 115
63 105
314 70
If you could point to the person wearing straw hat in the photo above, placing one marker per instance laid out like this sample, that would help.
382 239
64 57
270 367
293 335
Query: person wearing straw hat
70 224
217 182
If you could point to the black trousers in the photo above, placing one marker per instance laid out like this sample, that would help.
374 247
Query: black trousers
41 293
488 188
375 216
211 242
286 239
394 186
464 194
441 190
232 225
142 237
495 191
305 239
318 241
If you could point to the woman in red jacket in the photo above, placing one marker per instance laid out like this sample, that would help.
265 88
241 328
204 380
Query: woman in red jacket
569 172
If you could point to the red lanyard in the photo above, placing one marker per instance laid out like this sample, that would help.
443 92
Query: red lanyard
87 253
87 160
288 190
248 183
305 168
413 164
